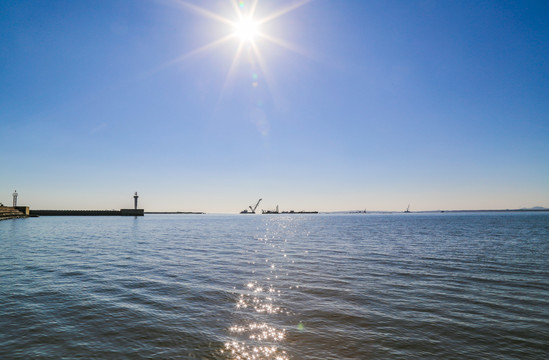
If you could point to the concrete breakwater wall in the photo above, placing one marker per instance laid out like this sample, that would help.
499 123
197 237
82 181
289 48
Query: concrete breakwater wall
7 212
121 212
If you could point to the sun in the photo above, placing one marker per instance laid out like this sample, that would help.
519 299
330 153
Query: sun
249 31
246 30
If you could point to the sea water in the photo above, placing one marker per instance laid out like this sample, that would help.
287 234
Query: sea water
394 286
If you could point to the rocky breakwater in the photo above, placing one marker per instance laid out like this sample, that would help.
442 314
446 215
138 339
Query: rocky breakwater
7 212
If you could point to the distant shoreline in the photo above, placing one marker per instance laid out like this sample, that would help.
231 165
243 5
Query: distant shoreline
438 211
369 212
505 210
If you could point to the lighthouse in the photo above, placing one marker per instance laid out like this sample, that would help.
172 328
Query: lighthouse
135 197
15 194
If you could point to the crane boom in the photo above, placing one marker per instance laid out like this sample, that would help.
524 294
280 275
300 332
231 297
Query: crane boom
252 209
256 205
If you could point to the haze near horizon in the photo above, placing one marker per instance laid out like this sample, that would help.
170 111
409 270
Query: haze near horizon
310 105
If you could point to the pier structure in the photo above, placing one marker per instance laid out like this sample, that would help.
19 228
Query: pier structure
10 213
122 212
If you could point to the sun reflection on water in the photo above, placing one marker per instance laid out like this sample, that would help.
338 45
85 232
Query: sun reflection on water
240 351
258 333
258 305
257 340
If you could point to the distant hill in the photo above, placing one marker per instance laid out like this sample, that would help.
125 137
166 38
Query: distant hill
536 208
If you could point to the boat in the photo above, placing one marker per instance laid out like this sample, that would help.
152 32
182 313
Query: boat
252 209
407 209
270 211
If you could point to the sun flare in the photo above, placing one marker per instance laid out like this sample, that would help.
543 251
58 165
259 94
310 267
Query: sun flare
249 31
246 30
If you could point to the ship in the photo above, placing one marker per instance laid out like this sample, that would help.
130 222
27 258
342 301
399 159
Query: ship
271 211
252 209
291 212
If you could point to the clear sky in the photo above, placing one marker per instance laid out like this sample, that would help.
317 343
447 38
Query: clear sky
332 105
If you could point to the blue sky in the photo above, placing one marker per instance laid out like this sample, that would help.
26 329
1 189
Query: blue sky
344 105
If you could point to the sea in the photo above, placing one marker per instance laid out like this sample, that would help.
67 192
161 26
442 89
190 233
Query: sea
301 286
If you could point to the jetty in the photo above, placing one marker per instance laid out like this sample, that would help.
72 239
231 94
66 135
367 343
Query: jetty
121 212
8 212
24 211
175 212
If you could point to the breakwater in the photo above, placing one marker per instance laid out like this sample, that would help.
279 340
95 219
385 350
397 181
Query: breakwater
7 212
175 212
121 212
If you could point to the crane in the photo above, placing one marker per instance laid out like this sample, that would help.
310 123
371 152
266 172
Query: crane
252 209
255 207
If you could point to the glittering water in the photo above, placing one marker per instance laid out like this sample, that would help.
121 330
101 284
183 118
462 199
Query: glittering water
452 286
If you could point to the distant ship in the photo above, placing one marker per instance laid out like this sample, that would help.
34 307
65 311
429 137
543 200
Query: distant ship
270 211
252 209
407 209
276 211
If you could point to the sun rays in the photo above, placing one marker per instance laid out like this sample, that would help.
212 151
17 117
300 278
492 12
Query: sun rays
245 27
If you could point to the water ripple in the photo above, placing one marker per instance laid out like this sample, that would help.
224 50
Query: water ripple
462 286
